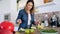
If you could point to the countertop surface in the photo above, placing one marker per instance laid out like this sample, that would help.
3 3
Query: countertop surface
38 32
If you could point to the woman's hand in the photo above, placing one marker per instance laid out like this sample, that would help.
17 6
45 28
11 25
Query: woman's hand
19 21
37 22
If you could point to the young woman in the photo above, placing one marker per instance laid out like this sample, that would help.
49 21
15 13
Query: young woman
26 16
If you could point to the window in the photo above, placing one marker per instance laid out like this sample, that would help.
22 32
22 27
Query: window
7 17
47 1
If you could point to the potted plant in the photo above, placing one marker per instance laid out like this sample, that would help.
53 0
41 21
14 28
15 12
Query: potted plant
49 31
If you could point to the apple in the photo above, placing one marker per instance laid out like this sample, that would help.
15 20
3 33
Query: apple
27 31
31 31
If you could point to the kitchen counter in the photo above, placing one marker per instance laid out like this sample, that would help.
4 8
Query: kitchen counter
37 32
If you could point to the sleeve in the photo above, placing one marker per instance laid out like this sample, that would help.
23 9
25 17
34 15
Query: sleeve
19 16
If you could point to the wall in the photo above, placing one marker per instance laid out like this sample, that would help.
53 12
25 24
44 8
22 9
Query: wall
53 6
10 6
6 7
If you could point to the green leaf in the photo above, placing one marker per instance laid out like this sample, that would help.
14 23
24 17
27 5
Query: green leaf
49 31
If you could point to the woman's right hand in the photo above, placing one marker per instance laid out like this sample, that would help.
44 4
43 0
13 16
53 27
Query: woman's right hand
19 21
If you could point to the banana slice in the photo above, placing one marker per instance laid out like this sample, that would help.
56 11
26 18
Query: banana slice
33 27
22 29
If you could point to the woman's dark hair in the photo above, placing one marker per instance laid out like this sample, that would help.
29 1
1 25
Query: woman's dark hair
32 9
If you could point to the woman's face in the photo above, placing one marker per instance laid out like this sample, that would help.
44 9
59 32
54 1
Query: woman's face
29 6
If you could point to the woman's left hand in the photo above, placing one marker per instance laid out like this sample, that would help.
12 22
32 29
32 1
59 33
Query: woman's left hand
37 22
